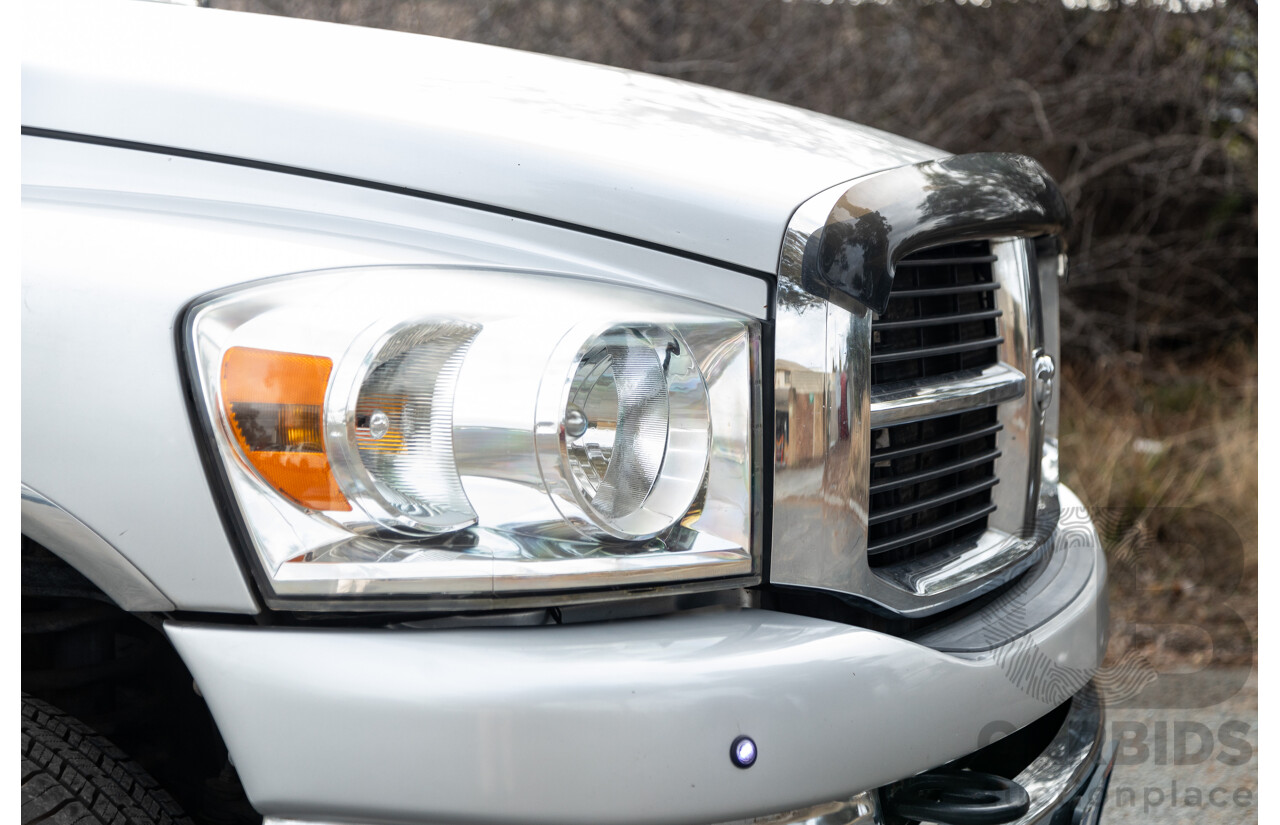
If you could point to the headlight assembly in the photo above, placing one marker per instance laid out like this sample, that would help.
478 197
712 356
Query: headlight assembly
457 437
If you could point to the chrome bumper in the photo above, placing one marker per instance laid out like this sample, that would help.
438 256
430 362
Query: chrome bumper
1072 773
622 722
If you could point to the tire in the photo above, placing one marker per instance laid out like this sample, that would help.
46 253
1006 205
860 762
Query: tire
72 776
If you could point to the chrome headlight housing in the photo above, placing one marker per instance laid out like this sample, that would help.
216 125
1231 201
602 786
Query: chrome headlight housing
456 437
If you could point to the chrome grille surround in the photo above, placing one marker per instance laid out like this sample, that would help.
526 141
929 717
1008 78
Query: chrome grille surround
836 273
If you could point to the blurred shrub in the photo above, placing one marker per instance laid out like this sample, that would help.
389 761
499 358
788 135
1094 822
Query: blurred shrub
1147 117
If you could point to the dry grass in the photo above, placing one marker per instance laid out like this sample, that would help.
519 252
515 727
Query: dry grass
1167 456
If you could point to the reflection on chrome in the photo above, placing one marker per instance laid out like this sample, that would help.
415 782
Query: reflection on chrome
821 473
862 809
836 266
882 218
907 400
974 559
1063 768
1016 495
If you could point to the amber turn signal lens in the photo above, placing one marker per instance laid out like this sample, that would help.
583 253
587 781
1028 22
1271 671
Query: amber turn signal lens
275 403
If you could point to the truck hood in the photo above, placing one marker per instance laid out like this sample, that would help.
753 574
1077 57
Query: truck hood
706 172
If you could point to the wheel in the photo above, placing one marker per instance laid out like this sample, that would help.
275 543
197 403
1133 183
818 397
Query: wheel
72 776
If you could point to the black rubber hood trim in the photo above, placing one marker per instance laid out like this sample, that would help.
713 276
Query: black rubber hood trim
884 217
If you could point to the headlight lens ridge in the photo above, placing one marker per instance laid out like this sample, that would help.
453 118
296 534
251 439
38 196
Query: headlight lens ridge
506 434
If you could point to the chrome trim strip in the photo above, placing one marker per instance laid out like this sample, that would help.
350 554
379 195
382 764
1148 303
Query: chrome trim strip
947 261
1020 438
994 550
934 501
913 400
925 446
78 545
940 320
822 470
931 530
862 809
1061 568
935 291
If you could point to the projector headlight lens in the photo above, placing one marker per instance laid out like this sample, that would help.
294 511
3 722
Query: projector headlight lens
637 429
478 439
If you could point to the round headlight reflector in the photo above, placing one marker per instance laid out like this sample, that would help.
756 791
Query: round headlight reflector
634 430
392 430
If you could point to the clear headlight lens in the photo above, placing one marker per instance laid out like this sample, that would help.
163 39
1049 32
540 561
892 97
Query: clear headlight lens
636 434
503 433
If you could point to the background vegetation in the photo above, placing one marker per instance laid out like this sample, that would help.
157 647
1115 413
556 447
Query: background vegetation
1146 116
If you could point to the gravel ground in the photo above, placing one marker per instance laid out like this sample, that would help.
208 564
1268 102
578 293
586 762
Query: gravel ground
1212 775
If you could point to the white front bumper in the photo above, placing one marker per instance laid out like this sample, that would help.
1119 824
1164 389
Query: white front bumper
626 722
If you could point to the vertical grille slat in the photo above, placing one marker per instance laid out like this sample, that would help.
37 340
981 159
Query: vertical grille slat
932 479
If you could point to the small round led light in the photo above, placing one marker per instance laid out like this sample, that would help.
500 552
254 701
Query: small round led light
743 752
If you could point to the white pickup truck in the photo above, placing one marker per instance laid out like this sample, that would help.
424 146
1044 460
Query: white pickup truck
422 432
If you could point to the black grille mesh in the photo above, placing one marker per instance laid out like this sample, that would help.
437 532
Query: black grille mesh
941 316
931 484
931 480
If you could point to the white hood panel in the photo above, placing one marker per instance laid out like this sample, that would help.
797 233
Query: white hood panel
707 172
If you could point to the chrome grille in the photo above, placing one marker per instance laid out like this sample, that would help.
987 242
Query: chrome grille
953 329
931 479
941 316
